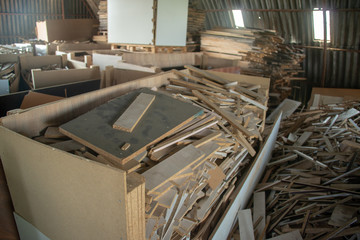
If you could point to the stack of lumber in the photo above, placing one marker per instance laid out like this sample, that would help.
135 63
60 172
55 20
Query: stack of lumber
265 51
311 187
103 20
103 15
196 24
190 141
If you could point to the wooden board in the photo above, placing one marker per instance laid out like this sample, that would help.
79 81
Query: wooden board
246 224
158 175
43 79
33 99
259 210
33 62
55 193
347 94
295 235
132 115
51 30
94 129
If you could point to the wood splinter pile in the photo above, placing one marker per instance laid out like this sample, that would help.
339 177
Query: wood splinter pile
311 187
211 152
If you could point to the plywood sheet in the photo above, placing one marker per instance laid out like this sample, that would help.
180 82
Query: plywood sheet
43 79
55 193
171 22
33 99
59 29
131 24
94 129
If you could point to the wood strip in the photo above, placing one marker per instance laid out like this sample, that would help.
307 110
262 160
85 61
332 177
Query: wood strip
175 164
259 210
132 115
225 115
246 224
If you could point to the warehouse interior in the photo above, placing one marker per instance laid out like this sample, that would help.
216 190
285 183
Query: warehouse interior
179 119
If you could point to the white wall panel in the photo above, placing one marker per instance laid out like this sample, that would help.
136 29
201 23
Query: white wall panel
130 21
171 22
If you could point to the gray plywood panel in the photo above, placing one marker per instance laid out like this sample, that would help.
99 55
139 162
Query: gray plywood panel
130 21
94 129
171 22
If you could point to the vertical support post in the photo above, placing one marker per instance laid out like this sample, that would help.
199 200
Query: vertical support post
323 75
62 9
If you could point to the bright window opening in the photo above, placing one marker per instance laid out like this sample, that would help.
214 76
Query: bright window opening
318 18
239 21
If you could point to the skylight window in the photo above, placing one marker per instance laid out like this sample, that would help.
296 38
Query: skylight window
239 21
318 23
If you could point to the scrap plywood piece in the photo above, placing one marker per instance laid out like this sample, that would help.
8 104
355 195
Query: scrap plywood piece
287 107
94 128
132 115
246 225
33 99
216 177
158 175
259 210
295 235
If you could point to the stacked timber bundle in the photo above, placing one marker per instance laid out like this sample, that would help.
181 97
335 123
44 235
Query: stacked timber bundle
265 51
190 141
311 187
103 20
103 17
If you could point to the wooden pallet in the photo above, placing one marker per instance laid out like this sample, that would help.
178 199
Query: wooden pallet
149 48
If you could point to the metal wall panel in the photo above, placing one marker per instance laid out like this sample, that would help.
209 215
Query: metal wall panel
18 17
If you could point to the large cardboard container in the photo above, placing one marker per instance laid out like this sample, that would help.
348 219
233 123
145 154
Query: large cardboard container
65 29
66 196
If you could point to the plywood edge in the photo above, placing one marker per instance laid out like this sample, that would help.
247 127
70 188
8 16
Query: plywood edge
31 122
54 193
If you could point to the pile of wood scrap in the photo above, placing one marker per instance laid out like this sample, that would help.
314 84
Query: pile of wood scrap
189 140
9 72
265 51
103 20
311 187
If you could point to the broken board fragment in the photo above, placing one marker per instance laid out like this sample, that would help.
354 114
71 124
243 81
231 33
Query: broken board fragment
132 115
94 128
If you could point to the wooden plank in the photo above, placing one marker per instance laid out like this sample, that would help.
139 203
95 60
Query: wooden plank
53 132
132 115
259 210
159 122
295 235
225 115
287 107
175 164
246 224
67 146
43 79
